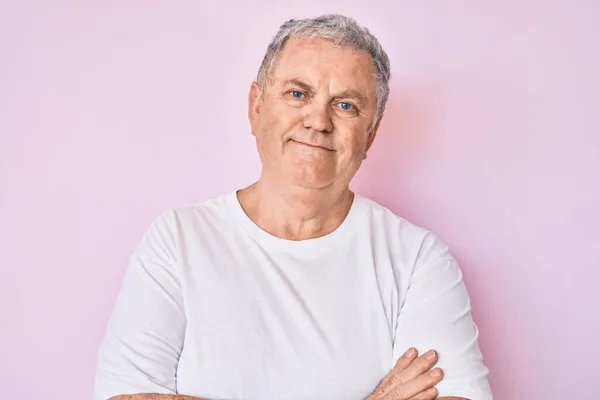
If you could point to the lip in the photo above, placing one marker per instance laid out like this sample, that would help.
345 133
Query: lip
311 145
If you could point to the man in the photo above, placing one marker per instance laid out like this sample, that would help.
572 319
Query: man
295 287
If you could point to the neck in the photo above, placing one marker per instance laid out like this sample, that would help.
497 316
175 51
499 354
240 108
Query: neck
295 213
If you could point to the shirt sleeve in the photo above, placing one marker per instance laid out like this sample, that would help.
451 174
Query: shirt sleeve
436 314
144 337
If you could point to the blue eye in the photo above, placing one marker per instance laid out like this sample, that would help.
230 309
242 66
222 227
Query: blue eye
346 106
296 94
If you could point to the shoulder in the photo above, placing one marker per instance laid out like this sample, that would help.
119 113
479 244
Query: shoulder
383 216
186 215
174 224
422 245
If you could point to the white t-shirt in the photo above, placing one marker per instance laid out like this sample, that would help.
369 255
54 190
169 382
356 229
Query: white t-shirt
213 306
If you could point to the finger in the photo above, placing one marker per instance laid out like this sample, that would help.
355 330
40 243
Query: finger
401 364
404 362
429 394
419 366
417 385
414 386
391 377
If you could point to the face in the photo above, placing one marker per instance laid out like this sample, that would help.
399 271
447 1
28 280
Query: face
314 122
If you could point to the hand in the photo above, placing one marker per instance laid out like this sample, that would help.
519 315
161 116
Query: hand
410 379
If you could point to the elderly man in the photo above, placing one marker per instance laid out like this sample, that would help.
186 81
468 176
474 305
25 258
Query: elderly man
295 287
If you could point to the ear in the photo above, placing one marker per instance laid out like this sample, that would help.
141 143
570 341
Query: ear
253 105
373 132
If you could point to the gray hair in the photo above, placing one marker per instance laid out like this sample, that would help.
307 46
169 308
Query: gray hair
342 31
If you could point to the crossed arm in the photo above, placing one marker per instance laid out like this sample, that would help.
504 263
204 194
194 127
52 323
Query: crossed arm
436 312
180 397
409 379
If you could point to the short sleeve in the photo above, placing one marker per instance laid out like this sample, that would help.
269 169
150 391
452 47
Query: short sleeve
436 314
144 337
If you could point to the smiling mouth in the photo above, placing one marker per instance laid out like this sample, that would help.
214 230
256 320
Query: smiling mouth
312 145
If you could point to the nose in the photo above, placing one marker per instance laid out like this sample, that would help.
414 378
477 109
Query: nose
318 117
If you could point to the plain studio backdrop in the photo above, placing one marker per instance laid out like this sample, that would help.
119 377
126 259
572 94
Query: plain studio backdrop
113 111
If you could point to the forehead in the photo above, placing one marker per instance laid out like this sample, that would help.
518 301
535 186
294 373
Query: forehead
320 63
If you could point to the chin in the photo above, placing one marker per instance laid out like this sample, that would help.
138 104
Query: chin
311 185
310 181
309 174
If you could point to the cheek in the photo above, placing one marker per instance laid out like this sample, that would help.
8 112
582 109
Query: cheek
280 114
272 132
354 143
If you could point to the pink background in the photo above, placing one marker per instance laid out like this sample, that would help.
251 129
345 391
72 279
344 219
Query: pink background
113 111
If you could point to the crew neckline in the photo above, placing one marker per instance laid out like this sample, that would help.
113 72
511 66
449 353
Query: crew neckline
302 248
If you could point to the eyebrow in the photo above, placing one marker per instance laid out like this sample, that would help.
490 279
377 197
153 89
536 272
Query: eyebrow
297 82
346 94
351 94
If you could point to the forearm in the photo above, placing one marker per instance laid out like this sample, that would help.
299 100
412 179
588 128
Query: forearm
149 396
182 397
452 398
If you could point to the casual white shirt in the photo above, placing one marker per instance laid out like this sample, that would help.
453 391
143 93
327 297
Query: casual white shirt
213 306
